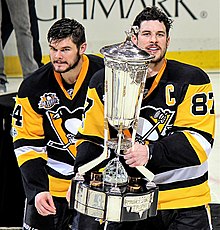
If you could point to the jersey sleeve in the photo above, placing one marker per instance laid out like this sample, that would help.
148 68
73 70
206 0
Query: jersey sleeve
184 152
30 147
196 112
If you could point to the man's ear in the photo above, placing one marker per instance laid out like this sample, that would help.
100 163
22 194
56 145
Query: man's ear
82 48
168 41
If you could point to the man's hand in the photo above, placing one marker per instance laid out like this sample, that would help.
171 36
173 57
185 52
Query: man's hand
137 155
44 204
68 193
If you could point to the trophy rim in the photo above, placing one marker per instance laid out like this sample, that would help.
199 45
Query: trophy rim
126 51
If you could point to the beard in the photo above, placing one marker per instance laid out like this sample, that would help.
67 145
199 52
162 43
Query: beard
158 59
70 67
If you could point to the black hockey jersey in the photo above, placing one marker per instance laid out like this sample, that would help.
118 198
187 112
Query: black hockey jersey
45 121
177 120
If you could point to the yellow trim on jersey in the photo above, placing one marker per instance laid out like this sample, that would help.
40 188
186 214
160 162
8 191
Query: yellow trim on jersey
95 125
157 79
202 155
82 74
30 128
58 187
31 122
184 197
205 123
30 156
127 133
78 142
59 80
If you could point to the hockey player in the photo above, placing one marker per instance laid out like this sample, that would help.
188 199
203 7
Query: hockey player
47 114
176 126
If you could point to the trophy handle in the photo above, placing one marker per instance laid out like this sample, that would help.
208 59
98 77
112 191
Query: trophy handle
143 170
147 173
88 166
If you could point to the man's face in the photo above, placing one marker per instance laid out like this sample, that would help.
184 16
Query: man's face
64 55
153 39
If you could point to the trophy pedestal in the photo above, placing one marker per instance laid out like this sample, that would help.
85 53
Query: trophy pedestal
112 206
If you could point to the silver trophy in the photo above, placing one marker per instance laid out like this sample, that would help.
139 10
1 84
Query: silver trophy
125 74
134 199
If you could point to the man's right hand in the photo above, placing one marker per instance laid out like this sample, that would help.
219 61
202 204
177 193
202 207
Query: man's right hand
44 204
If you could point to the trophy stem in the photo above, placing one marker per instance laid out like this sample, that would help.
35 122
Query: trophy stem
116 184
119 141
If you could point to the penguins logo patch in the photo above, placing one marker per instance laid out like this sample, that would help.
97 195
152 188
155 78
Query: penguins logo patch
158 123
65 124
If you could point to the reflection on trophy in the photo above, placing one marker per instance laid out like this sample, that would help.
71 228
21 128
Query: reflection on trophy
112 195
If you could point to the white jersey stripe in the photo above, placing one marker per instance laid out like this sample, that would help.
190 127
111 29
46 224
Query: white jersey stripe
61 167
181 174
202 141
26 149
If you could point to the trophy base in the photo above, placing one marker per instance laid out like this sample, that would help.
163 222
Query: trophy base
111 206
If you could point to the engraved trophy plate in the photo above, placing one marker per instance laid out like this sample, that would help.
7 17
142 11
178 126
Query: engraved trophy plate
113 211
96 199
93 212
89 202
81 193
136 207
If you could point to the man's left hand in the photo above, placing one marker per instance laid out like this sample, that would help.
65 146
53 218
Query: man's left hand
137 155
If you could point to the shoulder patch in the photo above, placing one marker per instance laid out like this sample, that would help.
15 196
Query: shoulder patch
13 132
48 100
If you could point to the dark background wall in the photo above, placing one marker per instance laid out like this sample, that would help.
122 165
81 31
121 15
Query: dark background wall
11 190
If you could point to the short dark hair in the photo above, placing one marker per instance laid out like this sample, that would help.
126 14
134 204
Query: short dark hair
153 13
65 28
